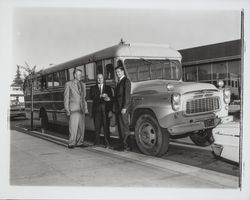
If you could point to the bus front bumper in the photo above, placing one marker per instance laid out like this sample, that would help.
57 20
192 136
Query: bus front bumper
193 126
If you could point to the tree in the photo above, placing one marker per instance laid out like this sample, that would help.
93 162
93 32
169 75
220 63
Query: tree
28 72
18 80
31 73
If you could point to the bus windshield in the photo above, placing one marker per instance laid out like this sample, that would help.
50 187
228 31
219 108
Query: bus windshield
152 69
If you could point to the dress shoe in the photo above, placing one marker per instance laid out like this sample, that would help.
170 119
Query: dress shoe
108 147
119 148
82 145
127 149
71 146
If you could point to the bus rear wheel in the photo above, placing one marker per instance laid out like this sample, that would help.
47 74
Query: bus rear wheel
44 119
151 139
202 138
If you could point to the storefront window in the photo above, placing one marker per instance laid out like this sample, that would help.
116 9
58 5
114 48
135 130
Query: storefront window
190 73
219 71
204 73
234 67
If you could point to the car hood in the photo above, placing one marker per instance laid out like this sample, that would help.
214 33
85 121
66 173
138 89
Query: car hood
161 86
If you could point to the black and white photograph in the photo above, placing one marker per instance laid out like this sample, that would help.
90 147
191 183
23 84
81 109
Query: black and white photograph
124 100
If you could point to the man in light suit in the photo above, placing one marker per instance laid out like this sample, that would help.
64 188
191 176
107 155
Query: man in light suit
75 106
122 104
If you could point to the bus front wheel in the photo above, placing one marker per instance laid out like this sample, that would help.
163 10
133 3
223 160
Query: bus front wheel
151 139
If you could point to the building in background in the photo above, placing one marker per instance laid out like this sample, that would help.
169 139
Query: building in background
210 63
17 107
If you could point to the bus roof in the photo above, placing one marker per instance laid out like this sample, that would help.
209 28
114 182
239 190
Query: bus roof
120 50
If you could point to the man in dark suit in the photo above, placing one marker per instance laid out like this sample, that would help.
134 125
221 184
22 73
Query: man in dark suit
102 96
122 104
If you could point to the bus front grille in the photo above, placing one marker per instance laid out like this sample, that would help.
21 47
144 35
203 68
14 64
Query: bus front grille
203 105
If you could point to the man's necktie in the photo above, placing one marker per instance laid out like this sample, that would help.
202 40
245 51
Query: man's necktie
79 87
100 88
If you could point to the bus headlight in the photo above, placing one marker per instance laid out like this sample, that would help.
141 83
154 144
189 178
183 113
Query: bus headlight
220 83
226 95
176 101
170 87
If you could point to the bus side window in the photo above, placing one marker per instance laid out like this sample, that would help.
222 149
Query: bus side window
62 77
43 82
109 70
99 69
56 79
83 71
34 84
50 80
70 74
39 80
90 71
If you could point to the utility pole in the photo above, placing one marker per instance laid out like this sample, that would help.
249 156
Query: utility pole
32 109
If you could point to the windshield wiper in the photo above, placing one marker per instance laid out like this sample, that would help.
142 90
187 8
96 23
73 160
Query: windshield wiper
164 61
146 61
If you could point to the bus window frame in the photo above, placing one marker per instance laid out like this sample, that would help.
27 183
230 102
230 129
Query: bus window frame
39 82
68 73
34 80
43 82
102 67
56 74
85 66
105 69
83 71
65 75
51 81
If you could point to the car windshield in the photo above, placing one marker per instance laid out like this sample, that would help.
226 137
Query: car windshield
151 69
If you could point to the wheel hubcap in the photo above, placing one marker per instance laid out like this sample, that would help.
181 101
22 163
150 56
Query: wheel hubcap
147 135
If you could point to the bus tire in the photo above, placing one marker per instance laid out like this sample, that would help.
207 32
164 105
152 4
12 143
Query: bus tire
151 139
202 138
44 118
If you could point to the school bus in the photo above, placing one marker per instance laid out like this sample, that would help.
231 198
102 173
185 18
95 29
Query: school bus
162 105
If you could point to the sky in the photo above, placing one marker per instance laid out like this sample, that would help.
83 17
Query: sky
44 36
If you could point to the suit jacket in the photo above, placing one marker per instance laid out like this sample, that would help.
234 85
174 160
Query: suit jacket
94 95
122 95
74 101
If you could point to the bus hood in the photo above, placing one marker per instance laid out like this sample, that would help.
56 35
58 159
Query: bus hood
153 86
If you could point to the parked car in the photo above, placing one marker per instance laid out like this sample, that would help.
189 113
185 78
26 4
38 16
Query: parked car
17 107
226 140
234 106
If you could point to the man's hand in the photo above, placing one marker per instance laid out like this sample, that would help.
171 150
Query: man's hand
106 98
68 113
124 110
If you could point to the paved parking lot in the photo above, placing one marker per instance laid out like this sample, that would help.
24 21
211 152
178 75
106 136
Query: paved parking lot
39 162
